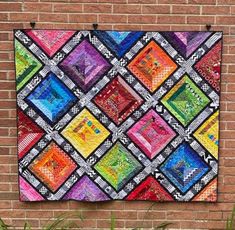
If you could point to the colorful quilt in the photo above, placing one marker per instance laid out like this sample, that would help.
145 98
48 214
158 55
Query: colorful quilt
117 115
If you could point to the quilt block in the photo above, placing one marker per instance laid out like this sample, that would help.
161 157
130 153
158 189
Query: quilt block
118 115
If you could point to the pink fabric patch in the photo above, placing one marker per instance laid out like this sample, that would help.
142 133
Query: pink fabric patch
50 40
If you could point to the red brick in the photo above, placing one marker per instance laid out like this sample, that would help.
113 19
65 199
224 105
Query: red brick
176 215
229 180
5 204
41 213
6 46
7 85
201 20
24 17
55 206
7 65
9 196
4 56
156 9
127 9
148 19
97 8
152 215
3 16
142 1
185 28
4 94
8 141
226 152
55 1
68 8
105 18
172 1
156 27
225 20
231 88
125 214
170 19
83 1
202 215
225 2
4 187
138 224
101 224
53 17
3 151
4 36
15 214
184 9
10 6
3 131
113 1
96 215
127 27
34 7
20 222
204 2
215 10
7 104
83 18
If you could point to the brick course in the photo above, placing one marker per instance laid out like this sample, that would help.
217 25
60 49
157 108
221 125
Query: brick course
126 15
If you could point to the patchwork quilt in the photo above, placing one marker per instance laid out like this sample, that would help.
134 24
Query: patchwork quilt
117 115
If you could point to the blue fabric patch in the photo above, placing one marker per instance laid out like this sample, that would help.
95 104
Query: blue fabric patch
184 167
118 42
52 98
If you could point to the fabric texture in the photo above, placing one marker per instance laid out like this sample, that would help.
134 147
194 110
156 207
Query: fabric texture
118 115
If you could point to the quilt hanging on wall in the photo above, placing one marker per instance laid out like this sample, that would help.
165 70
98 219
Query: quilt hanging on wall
117 115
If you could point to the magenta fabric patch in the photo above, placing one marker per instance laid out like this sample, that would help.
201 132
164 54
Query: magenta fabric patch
50 40
151 133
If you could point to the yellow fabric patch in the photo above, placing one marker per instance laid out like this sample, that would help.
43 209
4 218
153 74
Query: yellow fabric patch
208 134
85 132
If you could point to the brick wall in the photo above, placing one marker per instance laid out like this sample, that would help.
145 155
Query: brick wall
126 15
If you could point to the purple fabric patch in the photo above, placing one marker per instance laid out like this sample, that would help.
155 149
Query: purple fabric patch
86 190
85 65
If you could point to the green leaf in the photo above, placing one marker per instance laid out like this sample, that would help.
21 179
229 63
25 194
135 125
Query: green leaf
112 222
3 226
230 224
61 221
27 226
162 226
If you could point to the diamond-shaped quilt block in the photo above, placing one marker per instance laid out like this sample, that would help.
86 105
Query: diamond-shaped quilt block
151 133
50 40
185 100
85 133
117 166
150 189
118 100
52 98
53 166
118 42
207 134
85 65
184 167
152 66
86 190
27 65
